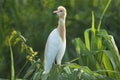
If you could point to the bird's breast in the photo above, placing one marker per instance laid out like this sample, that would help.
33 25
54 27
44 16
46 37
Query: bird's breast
55 38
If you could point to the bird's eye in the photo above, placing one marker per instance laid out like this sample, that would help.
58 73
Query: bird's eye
60 10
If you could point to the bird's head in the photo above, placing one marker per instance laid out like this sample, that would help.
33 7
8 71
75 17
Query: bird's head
61 12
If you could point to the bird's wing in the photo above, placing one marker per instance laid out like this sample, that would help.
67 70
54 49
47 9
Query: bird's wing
51 49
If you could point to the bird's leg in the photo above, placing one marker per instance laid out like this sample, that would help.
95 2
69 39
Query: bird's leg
58 68
59 65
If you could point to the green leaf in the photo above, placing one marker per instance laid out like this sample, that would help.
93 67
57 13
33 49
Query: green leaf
93 23
107 64
103 13
87 38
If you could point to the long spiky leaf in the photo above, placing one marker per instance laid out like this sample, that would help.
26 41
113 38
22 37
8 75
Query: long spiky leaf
105 9
93 23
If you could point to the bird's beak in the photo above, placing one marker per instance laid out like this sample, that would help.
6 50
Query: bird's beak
56 11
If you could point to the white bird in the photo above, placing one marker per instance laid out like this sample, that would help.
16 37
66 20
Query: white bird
56 43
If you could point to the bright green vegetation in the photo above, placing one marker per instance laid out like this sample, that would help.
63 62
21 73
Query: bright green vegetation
92 55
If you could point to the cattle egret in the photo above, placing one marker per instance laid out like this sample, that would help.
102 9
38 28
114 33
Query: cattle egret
56 43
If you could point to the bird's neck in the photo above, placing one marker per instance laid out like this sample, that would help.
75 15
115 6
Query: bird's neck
61 28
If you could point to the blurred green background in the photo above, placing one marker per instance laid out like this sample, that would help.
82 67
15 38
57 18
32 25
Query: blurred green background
34 19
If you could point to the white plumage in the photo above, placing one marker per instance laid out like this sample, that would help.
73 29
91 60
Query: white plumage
56 43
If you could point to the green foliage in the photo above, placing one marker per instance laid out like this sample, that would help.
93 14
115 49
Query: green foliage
14 39
99 52
93 56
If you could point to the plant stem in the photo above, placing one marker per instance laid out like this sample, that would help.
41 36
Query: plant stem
12 62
